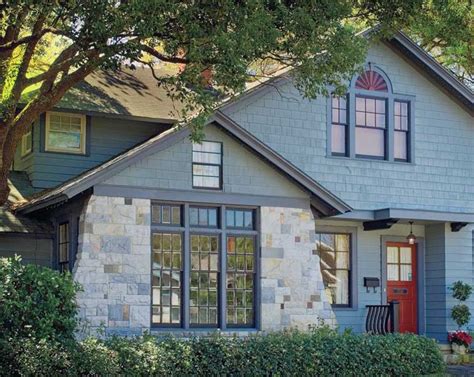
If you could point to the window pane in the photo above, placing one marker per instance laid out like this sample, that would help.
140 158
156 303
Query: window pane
392 272
204 277
392 254
400 145
327 260
166 278
326 242
405 255
176 215
240 280
230 222
405 272
370 142
338 136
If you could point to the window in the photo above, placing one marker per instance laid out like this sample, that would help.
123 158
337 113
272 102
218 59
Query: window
166 214
371 121
399 263
401 126
26 143
207 165
339 126
63 247
207 280
334 251
370 127
239 218
65 133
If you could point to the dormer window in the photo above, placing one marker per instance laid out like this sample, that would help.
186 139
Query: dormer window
65 133
372 122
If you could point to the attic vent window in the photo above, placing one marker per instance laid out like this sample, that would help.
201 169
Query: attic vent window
371 80
207 165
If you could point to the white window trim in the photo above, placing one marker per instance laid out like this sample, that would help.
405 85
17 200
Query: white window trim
26 149
49 148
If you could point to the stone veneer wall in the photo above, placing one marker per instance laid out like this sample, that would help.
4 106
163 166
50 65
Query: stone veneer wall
113 265
292 289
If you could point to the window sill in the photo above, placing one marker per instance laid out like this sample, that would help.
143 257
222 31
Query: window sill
409 163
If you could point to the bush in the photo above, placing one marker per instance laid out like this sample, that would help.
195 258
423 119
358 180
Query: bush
291 353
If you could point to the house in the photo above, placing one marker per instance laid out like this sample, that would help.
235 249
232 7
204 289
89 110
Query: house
290 212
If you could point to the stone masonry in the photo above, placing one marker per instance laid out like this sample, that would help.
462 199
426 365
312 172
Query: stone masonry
292 289
113 265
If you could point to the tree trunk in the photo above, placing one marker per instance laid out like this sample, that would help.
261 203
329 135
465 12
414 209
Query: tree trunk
4 166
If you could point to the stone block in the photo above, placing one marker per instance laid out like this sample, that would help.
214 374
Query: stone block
112 268
139 316
125 214
286 229
268 295
144 289
118 312
272 252
116 244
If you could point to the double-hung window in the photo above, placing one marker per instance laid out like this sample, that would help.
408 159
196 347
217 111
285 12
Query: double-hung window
207 165
204 266
65 133
26 143
371 121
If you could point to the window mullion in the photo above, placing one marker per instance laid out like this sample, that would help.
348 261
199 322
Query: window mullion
351 124
186 268
223 271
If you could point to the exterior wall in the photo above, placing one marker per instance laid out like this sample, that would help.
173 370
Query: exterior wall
292 289
441 177
114 266
243 173
367 264
108 138
30 248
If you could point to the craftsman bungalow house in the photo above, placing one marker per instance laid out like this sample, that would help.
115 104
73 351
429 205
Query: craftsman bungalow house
290 211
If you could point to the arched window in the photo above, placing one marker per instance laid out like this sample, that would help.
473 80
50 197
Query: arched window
371 121
371 80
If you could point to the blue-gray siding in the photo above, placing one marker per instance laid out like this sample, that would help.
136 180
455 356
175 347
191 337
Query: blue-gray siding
108 137
31 249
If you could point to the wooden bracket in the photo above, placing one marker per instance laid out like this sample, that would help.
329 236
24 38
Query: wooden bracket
379 224
456 227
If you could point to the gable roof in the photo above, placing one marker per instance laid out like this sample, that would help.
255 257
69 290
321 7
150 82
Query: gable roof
325 203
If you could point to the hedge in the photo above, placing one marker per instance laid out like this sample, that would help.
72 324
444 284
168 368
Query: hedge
321 352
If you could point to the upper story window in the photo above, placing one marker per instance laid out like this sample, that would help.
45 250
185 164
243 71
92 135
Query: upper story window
372 121
207 165
26 143
65 133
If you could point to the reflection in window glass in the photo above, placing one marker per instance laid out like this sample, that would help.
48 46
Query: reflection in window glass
65 133
166 278
401 125
204 280
240 280
207 165
203 217
339 125
334 253
166 214
239 218
370 127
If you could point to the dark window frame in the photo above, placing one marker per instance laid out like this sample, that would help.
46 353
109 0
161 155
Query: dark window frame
350 297
59 243
237 228
390 97
220 166
222 232
407 131
346 125
198 207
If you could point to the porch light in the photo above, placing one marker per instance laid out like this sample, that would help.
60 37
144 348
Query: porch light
411 237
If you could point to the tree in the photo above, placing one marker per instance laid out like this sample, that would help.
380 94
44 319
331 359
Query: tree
316 37
445 28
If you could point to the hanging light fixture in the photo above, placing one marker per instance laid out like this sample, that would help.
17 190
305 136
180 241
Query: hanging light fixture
411 237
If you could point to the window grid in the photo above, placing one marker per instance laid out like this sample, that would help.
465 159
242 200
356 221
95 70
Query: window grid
166 214
26 143
334 251
339 126
401 129
399 263
205 217
240 218
370 123
167 278
204 273
204 280
240 281
63 247
65 133
207 165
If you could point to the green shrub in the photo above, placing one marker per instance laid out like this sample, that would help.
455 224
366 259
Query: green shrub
36 302
461 314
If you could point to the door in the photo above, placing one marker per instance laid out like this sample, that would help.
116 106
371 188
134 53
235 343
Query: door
401 283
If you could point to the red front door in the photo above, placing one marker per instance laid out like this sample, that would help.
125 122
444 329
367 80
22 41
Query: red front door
401 282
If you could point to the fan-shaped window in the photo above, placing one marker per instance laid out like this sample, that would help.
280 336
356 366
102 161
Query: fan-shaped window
371 80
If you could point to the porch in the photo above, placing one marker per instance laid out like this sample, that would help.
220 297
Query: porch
381 266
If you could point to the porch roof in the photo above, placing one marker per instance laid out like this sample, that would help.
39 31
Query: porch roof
384 218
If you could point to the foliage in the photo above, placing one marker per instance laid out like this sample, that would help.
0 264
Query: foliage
445 28
461 291
462 338
461 314
51 45
320 351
